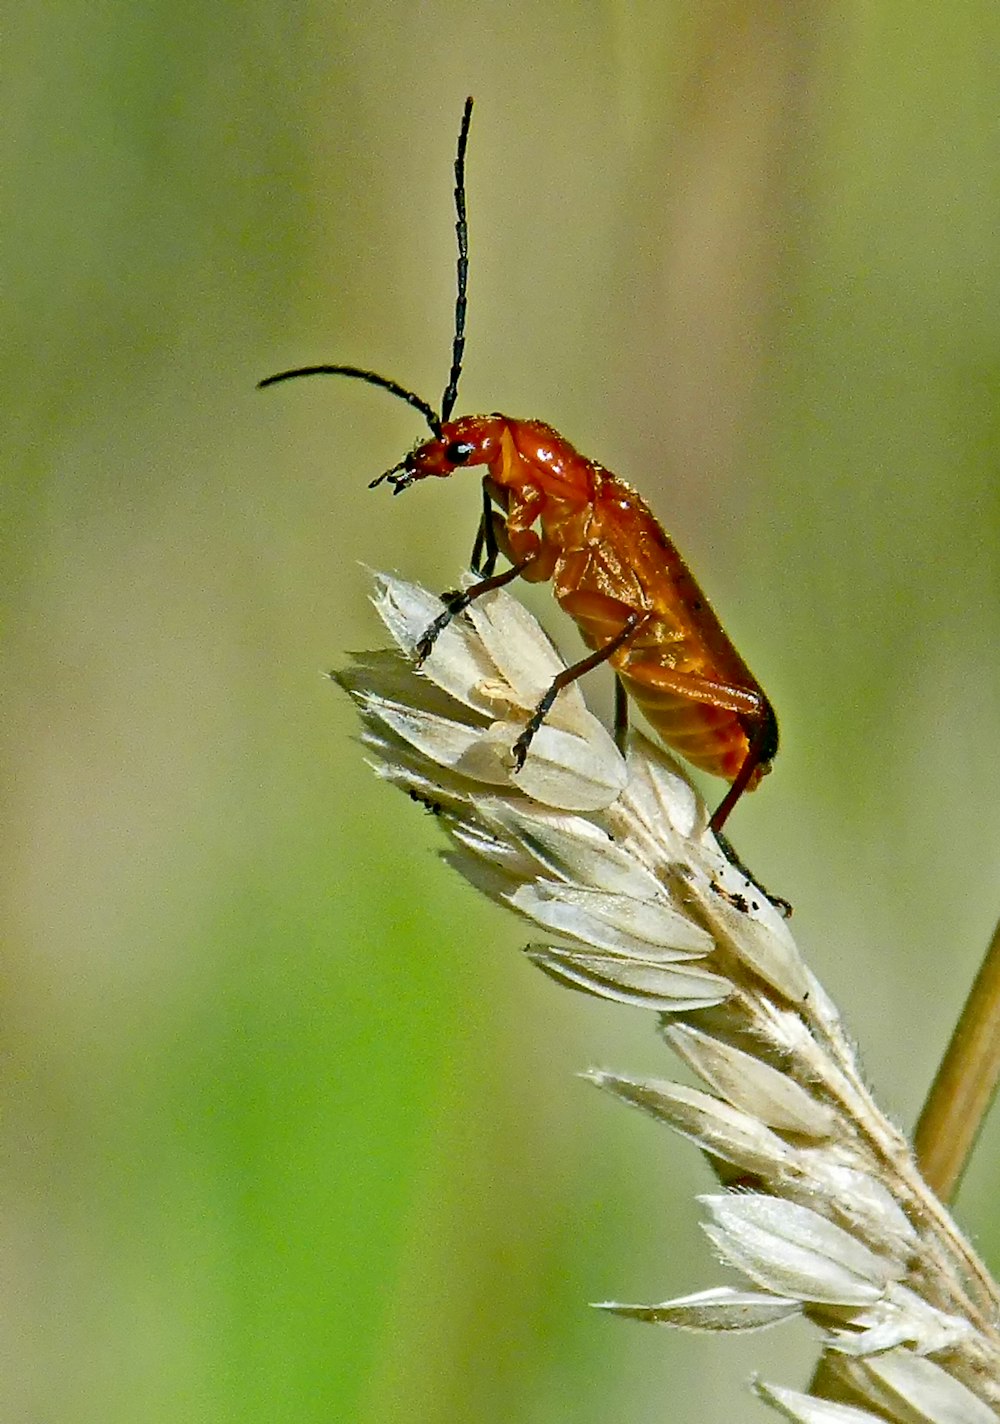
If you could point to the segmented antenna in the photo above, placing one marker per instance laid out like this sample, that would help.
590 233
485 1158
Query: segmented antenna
462 236
373 378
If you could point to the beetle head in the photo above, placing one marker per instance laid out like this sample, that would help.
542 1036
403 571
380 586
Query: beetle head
466 441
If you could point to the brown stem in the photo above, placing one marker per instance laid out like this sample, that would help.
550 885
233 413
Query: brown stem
965 1083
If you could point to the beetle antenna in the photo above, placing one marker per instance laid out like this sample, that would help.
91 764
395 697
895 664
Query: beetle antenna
431 416
462 236
372 377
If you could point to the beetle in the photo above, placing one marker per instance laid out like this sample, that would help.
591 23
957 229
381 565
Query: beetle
557 516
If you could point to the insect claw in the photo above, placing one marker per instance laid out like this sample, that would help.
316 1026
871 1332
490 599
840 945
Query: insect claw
425 645
520 748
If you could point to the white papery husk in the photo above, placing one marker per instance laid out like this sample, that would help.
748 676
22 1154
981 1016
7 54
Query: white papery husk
611 859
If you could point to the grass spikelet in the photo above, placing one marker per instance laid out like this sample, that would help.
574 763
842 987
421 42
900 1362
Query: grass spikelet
629 898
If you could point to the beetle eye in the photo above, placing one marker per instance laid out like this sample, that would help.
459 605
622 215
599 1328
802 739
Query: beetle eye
457 452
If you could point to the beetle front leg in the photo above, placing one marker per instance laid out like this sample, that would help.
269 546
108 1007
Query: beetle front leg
514 538
489 537
520 540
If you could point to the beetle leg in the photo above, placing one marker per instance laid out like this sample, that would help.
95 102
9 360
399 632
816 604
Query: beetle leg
751 708
759 753
694 687
568 676
486 538
784 907
456 603
621 714
598 615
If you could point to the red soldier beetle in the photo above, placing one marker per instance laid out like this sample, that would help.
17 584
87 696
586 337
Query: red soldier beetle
559 517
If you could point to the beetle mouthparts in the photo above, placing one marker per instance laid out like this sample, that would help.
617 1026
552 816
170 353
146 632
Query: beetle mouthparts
399 476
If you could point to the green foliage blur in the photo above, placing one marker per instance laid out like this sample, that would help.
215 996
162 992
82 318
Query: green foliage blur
291 1131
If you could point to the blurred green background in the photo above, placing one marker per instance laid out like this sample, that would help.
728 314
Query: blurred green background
291 1131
